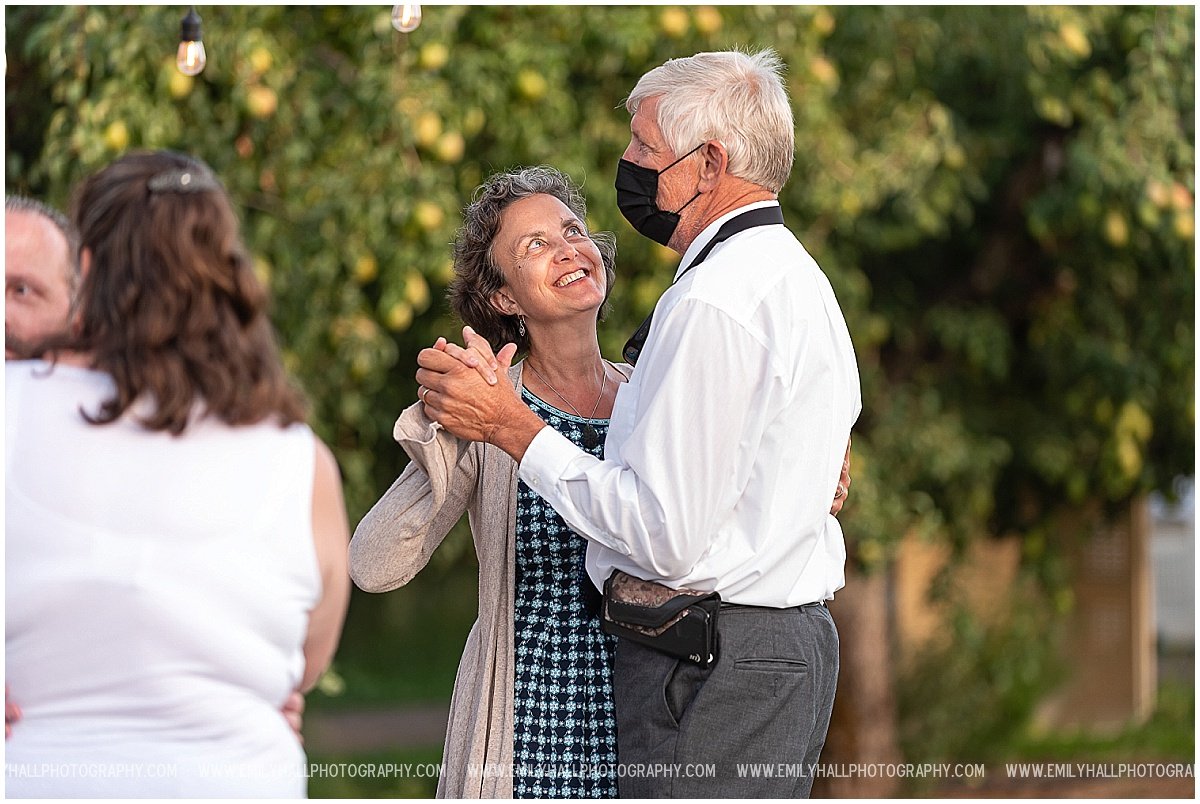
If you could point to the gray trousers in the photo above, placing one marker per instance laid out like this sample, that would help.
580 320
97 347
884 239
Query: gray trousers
752 726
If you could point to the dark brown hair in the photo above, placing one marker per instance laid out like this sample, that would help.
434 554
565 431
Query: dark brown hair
170 306
477 276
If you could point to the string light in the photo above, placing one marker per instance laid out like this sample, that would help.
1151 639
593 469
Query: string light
406 17
191 57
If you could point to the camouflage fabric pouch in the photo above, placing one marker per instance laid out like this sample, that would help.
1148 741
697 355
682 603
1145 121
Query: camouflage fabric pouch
678 622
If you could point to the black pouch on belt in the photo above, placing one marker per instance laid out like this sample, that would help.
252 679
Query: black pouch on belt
678 622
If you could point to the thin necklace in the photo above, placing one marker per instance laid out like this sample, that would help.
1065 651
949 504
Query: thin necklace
591 439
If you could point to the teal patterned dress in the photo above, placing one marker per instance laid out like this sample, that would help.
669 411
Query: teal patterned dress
565 733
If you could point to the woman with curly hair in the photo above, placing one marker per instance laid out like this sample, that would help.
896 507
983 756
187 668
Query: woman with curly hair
532 712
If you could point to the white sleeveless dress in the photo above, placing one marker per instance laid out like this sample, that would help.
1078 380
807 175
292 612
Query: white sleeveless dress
157 592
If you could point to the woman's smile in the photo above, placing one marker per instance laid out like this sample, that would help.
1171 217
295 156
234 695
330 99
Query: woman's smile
568 279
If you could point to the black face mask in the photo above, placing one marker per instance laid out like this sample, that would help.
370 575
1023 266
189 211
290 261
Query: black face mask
637 198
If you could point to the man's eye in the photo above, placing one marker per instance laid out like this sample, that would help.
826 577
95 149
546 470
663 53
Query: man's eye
537 242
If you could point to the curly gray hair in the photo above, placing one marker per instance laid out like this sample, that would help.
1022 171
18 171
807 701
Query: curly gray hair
477 276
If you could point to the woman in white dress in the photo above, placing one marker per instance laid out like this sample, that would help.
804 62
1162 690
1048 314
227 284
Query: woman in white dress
176 537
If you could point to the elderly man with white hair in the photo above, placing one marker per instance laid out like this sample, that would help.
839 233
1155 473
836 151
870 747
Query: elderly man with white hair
724 447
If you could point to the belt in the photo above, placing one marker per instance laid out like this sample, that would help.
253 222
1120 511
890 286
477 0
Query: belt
726 605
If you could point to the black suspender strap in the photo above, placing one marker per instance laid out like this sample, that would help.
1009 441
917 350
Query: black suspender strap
763 216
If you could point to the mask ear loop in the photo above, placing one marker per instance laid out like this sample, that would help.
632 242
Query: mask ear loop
680 159
685 206
676 162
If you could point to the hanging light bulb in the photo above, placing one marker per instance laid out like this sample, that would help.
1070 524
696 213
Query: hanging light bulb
406 17
191 58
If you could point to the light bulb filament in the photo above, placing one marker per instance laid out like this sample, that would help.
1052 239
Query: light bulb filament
191 58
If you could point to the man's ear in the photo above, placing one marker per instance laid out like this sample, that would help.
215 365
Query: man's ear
715 163
503 301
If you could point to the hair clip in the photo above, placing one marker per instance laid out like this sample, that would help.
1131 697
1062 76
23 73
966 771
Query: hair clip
188 180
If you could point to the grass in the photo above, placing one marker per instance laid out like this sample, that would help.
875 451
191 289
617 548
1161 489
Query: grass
1168 735
403 646
400 647
390 774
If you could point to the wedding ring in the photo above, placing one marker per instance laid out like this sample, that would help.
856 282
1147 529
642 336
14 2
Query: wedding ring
840 493
422 391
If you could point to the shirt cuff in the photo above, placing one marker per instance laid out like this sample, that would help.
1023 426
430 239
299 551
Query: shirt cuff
547 459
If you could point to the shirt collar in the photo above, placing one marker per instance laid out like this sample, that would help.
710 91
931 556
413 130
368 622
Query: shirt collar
710 232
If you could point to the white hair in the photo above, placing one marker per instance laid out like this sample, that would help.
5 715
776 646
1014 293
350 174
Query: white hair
730 96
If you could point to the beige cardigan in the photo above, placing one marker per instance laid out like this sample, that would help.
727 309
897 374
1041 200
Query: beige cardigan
393 543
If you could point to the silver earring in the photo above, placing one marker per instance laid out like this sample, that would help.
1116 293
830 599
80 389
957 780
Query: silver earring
521 325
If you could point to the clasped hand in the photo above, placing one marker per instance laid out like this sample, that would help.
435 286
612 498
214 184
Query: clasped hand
465 388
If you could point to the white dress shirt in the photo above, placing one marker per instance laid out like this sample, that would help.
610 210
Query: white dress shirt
726 445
